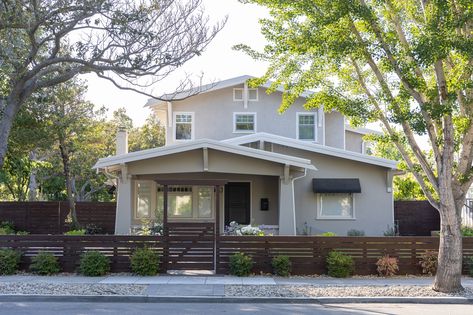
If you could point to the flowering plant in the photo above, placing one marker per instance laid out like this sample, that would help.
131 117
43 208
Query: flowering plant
236 229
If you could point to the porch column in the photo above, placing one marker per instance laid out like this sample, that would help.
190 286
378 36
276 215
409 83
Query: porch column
124 205
287 211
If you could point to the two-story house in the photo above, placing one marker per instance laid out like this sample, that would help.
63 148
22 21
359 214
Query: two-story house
230 156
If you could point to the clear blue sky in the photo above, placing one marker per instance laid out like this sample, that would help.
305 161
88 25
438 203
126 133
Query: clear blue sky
218 62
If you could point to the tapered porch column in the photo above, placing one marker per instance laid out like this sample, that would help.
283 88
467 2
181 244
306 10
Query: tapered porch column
124 205
287 211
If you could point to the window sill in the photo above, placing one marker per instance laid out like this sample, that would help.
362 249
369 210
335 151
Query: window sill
335 219
236 131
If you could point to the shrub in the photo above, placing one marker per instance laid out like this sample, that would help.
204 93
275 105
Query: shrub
94 264
354 232
91 229
466 231
339 265
387 266
469 263
328 234
45 264
7 226
9 261
428 262
22 233
390 231
240 264
75 232
236 229
281 265
144 262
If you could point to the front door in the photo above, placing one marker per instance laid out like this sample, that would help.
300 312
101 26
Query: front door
237 203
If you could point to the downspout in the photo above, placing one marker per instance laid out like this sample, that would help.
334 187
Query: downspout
294 198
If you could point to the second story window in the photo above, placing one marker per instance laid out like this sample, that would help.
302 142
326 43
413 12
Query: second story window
184 129
244 122
238 94
306 126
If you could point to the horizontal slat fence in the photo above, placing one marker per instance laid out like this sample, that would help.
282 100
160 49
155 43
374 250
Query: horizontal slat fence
48 217
307 253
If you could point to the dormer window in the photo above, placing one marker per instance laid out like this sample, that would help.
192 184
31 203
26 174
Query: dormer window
244 122
184 126
306 126
239 92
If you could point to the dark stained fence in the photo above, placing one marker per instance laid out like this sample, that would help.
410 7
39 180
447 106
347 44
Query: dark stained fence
416 218
307 253
49 217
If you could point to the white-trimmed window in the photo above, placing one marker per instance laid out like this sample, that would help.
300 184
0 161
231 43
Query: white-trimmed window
238 94
183 126
187 202
143 200
336 206
367 147
244 122
307 126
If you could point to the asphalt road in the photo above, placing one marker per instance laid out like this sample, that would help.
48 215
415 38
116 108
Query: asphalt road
42 308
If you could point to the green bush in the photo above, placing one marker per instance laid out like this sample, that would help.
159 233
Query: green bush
466 231
92 229
75 232
328 234
354 232
145 262
45 264
9 261
240 264
94 264
339 265
281 265
22 233
469 263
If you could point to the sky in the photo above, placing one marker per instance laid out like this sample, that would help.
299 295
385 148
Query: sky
218 62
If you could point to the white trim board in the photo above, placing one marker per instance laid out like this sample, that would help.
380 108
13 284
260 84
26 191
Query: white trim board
313 147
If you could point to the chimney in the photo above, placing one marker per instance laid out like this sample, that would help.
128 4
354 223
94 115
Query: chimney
122 141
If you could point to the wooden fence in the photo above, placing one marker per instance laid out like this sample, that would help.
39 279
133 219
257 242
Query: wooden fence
307 253
416 217
49 217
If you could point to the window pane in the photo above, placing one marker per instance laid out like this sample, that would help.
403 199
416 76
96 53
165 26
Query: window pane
143 200
180 205
183 131
245 122
238 94
336 205
306 132
252 94
205 202
184 118
306 119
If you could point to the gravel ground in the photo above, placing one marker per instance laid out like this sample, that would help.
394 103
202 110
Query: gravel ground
71 289
335 291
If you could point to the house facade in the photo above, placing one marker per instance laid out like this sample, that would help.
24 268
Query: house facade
230 156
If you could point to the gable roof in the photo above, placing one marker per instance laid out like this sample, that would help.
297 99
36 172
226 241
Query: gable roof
206 88
313 147
201 144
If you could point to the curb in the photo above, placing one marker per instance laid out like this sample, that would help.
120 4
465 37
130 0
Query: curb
224 299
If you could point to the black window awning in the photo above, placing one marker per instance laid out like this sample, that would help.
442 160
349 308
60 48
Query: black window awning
336 185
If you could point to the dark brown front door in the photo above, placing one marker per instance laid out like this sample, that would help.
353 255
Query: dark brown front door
237 203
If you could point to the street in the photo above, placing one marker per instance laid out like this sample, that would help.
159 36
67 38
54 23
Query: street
43 308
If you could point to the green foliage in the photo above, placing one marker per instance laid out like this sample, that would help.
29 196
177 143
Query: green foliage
75 232
339 265
429 262
469 263
9 261
45 264
328 234
92 229
240 264
354 232
281 265
466 231
387 266
145 262
390 231
7 228
94 264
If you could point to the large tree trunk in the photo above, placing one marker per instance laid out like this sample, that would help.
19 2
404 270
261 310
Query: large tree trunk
9 112
67 175
448 277
33 184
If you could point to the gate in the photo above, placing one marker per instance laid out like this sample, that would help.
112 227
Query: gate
190 246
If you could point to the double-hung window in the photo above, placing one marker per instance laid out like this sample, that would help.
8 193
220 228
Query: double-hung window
244 122
184 126
336 206
307 126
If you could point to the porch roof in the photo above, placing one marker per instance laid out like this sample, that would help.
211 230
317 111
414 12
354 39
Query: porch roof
203 144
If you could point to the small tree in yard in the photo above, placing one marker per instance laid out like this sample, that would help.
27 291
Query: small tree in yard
45 43
406 64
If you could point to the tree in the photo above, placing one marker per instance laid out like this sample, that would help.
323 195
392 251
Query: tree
45 43
407 64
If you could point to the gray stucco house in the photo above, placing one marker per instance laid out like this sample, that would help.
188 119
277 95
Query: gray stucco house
229 156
